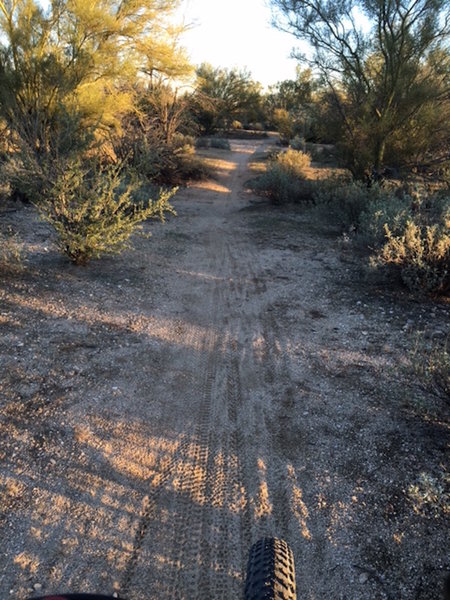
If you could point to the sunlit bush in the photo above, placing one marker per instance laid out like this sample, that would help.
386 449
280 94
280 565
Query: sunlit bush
11 253
285 179
93 211
421 253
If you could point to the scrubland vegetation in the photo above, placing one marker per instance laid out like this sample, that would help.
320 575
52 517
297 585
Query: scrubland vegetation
99 125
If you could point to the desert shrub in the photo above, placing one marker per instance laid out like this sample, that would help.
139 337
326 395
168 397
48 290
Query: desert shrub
293 163
421 254
281 187
11 252
93 211
321 153
285 178
408 234
25 177
383 208
298 143
181 143
430 366
429 495
219 143
190 168
202 142
342 202
284 125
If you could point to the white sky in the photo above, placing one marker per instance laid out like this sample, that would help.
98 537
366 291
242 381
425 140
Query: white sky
237 33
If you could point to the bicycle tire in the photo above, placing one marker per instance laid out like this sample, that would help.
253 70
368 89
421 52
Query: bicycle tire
270 571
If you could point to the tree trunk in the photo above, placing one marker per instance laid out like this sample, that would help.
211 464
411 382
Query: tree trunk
379 153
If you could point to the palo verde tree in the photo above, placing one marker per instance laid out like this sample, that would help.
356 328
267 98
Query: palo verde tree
66 72
385 80
68 77
224 96
289 103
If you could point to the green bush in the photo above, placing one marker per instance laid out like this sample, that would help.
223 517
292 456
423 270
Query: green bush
293 163
26 178
298 143
281 187
93 211
285 178
342 202
219 143
202 142
382 208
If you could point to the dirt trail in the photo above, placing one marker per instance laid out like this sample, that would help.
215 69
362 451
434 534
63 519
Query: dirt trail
165 409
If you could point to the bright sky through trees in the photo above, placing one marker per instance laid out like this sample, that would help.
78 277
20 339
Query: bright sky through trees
238 33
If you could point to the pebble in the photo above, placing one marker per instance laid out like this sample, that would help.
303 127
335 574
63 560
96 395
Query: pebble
363 578
37 586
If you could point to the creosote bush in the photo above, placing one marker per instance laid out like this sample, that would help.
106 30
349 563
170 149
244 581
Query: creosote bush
93 211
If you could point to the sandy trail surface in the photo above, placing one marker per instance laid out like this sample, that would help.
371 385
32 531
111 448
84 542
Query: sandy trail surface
163 410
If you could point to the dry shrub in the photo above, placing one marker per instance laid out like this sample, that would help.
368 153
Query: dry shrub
294 163
285 179
11 253
421 253
430 366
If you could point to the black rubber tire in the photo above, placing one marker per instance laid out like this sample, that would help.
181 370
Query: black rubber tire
270 571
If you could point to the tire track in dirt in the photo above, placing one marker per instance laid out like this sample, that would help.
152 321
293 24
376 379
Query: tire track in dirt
212 521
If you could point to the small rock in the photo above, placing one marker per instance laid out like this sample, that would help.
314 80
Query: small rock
37 586
363 578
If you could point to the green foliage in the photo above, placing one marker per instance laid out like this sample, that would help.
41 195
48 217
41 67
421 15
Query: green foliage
224 96
219 143
386 95
284 125
285 178
293 162
407 234
364 210
68 74
91 214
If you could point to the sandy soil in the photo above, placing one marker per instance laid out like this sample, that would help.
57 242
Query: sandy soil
233 377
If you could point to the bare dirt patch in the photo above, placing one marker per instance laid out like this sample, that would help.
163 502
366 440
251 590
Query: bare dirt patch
233 377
